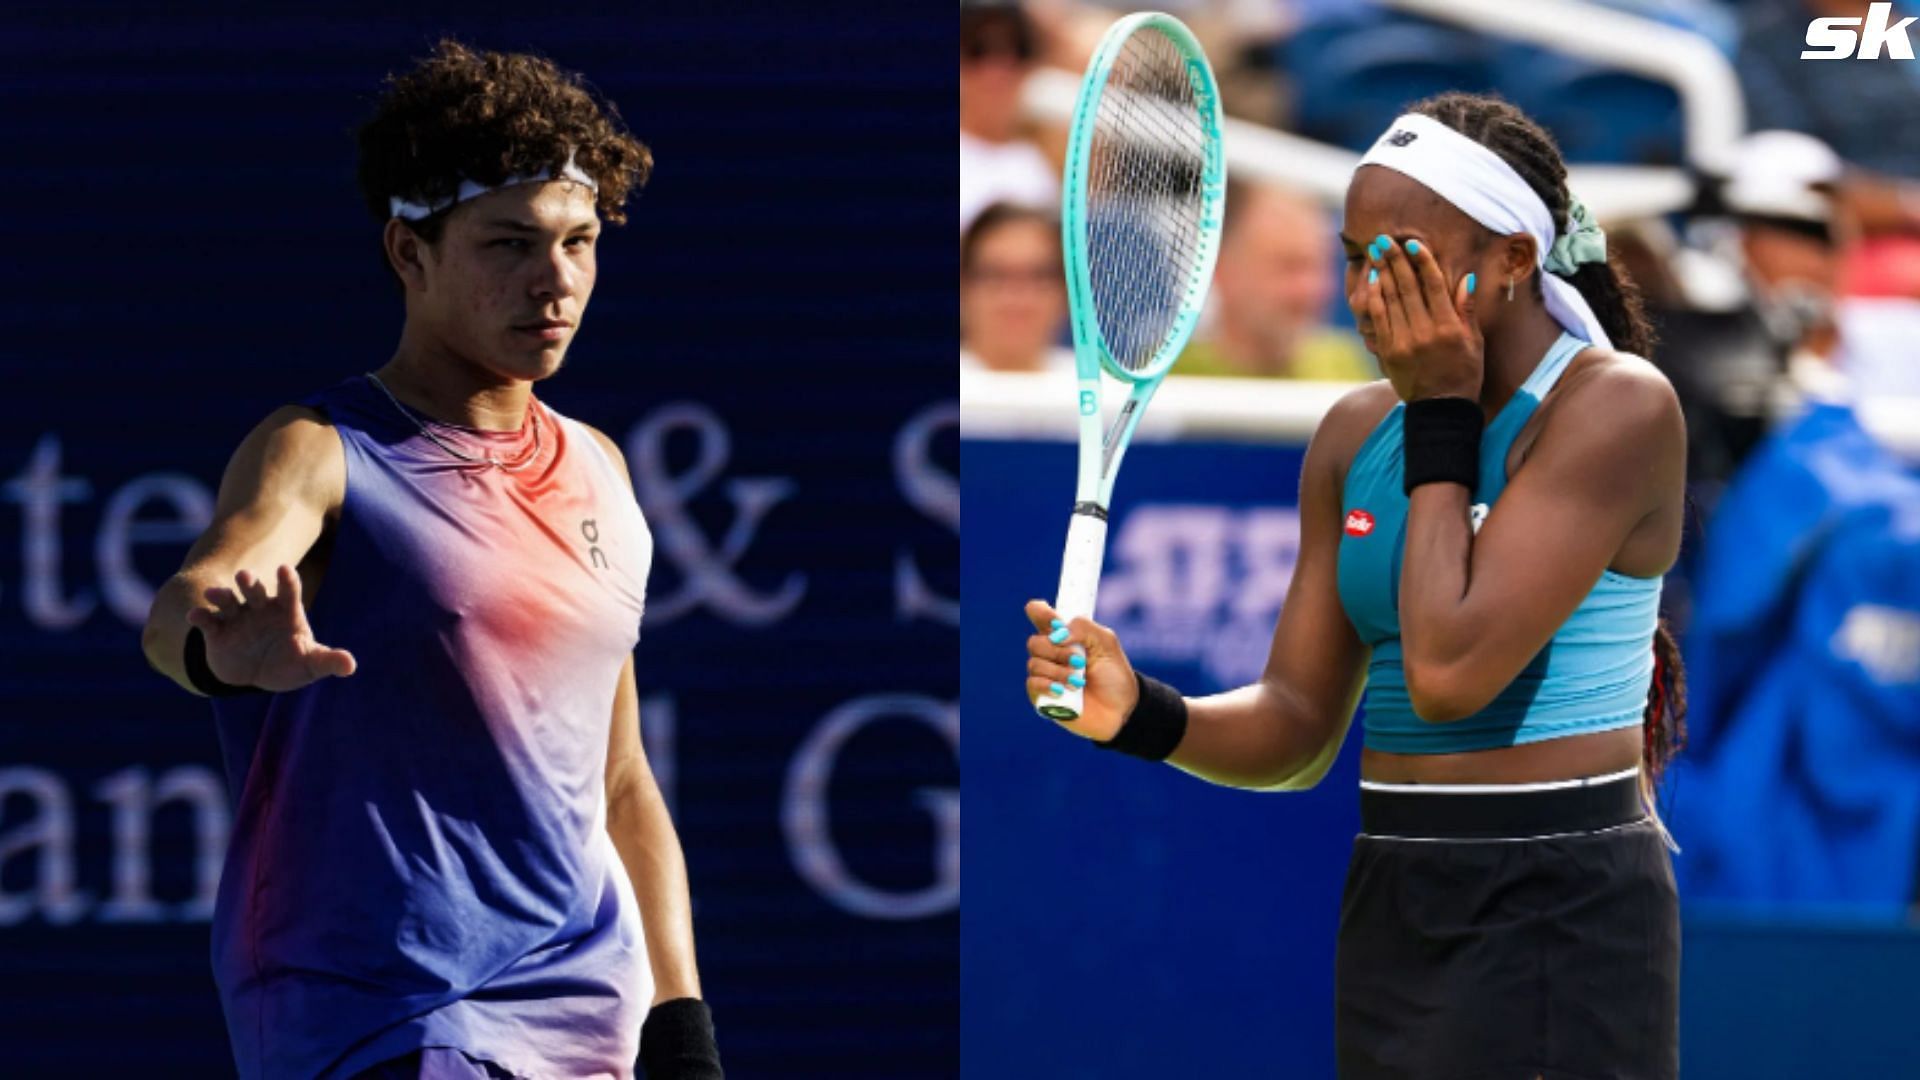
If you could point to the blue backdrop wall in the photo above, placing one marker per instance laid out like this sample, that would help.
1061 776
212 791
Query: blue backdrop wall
771 340
1124 919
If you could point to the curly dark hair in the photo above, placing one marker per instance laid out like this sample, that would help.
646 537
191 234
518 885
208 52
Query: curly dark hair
1502 128
485 116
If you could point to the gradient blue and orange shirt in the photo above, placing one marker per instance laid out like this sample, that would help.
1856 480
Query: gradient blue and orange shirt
419 854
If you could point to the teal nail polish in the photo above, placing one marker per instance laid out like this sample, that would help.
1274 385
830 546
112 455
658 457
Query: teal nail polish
1058 636
1373 276
1078 680
1413 247
1077 660
1469 284
1385 243
1057 624
1056 689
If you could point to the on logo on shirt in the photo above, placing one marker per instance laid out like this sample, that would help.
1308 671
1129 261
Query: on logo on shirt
590 529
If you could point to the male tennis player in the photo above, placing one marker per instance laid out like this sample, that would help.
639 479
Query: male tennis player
1483 536
415 611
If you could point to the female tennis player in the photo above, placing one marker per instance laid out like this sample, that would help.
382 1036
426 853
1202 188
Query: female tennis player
1483 536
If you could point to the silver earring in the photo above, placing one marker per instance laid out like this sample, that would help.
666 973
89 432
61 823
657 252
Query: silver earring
1509 290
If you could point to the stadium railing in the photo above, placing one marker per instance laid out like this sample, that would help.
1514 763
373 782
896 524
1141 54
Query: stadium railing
1017 405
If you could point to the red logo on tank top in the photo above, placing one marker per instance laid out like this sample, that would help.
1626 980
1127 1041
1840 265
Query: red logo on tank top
1359 523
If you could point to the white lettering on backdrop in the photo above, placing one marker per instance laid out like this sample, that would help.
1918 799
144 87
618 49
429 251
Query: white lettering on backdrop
42 492
707 574
47 836
935 493
1200 584
807 818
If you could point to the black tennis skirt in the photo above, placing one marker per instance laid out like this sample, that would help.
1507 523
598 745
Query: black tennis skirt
1495 932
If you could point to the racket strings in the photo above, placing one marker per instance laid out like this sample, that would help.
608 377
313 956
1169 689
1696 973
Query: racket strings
1145 200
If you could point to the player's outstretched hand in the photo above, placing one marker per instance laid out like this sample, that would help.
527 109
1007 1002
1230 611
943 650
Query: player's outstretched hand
254 639
1111 691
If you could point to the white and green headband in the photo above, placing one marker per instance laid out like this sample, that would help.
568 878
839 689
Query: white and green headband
1485 188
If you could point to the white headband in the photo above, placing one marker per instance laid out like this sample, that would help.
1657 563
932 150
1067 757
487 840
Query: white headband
1486 189
414 211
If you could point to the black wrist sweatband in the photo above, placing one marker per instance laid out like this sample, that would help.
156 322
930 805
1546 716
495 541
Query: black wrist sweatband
1442 437
202 676
1157 724
676 1042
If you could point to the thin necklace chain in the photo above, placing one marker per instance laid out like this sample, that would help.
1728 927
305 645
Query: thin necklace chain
489 459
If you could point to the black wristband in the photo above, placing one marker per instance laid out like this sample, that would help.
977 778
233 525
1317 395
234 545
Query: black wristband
1442 437
202 676
676 1042
1157 724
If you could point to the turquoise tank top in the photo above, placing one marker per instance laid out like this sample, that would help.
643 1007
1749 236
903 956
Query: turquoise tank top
1592 676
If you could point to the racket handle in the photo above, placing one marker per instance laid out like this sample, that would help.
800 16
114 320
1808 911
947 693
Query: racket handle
1079 584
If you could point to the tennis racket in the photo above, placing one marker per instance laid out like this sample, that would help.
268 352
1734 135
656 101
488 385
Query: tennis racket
1140 224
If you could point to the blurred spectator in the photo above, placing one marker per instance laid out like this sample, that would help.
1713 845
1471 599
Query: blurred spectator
1241 39
1781 192
1274 281
1751 301
1804 675
1013 292
997 44
1862 109
1804 656
1879 323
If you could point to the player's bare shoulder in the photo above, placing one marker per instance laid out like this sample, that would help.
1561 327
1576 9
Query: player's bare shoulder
1349 422
1617 409
612 449
1624 392
292 456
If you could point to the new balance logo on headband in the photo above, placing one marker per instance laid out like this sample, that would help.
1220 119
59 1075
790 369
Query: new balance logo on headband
1402 138
1835 38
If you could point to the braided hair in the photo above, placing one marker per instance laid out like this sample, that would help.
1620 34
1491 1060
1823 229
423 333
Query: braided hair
1530 150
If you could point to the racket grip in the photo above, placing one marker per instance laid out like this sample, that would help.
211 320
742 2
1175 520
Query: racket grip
1079 585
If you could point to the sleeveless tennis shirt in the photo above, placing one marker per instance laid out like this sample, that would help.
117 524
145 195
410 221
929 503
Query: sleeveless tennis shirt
1594 673
419 854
